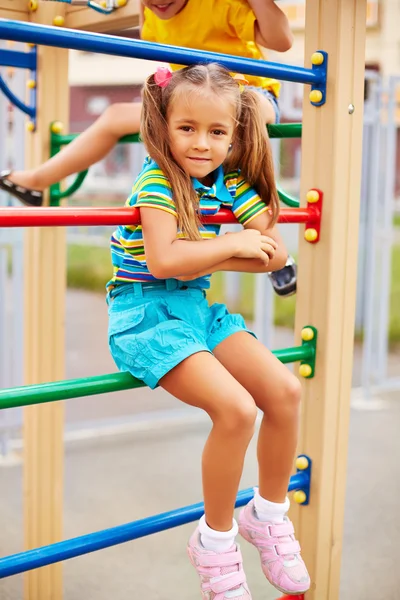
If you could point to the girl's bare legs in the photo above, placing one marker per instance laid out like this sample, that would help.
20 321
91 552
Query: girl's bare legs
88 148
202 381
276 392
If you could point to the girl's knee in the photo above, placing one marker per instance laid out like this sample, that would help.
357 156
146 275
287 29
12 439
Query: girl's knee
285 404
238 417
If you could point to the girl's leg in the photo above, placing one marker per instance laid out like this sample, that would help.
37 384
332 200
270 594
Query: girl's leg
267 109
88 148
202 381
262 522
276 392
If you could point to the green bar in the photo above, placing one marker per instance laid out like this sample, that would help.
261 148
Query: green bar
281 130
285 130
287 199
75 185
102 384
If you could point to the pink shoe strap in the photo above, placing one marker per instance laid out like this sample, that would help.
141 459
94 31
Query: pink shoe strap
288 548
225 583
227 559
281 529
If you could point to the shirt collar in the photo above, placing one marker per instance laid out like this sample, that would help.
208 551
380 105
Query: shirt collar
217 190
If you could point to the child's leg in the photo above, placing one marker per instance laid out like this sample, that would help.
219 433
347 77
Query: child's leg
263 522
267 109
202 381
276 392
88 148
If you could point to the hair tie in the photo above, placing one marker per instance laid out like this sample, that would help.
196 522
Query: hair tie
162 76
240 80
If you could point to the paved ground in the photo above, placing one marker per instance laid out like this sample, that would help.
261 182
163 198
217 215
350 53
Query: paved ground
149 469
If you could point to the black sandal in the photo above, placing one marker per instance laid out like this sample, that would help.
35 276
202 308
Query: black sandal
284 281
25 195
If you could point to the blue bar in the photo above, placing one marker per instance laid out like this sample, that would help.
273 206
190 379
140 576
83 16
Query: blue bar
19 31
48 555
29 110
14 58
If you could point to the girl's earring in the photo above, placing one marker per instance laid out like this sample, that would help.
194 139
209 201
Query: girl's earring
230 146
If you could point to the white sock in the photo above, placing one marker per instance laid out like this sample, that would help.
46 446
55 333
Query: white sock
270 511
217 541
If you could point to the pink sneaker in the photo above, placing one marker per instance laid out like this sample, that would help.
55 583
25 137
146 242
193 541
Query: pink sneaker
221 574
279 550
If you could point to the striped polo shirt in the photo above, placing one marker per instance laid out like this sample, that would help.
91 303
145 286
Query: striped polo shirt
152 189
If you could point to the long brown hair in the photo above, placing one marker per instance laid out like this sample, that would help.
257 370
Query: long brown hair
251 152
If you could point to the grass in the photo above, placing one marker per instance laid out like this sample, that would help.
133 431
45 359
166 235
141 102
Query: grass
396 220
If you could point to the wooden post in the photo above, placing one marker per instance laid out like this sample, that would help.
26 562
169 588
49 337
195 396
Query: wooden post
331 161
44 314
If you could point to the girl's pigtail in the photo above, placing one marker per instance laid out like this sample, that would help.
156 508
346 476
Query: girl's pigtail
154 133
251 152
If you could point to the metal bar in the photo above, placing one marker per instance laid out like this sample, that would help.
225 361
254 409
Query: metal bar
75 185
285 130
102 384
29 110
19 31
281 130
287 198
64 216
60 551
15 58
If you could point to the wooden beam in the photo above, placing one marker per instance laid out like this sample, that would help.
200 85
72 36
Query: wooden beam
16 10
331 150
44 315
90 20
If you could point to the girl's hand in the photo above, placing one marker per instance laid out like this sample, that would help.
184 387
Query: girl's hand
252 244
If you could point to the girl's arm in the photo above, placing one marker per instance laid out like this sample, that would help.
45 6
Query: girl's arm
252 265
168 257
272 26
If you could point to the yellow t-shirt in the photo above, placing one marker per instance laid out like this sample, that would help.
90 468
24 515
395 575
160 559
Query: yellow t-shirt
225 26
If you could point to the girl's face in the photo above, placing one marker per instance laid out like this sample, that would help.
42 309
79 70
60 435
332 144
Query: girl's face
200 131
165 9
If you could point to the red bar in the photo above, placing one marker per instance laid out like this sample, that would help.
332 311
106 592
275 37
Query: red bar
62 216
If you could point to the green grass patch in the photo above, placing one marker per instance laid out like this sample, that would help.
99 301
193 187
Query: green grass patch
90 268
396 220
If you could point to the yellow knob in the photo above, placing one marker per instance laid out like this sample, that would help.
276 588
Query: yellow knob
299 496
312 196
302 463
31 84
121 3
30 126
104 4
310 234
58 21
30 45
307 334
305 370
57 127
315 96
317 58
33 5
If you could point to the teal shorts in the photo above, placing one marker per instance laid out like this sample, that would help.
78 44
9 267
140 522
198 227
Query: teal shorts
154 327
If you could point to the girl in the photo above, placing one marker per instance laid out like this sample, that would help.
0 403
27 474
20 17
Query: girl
208 148
228 26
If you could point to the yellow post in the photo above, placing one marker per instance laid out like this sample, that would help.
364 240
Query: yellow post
331 151
44 314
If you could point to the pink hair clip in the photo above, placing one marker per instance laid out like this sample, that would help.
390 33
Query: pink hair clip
162 76
240 80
